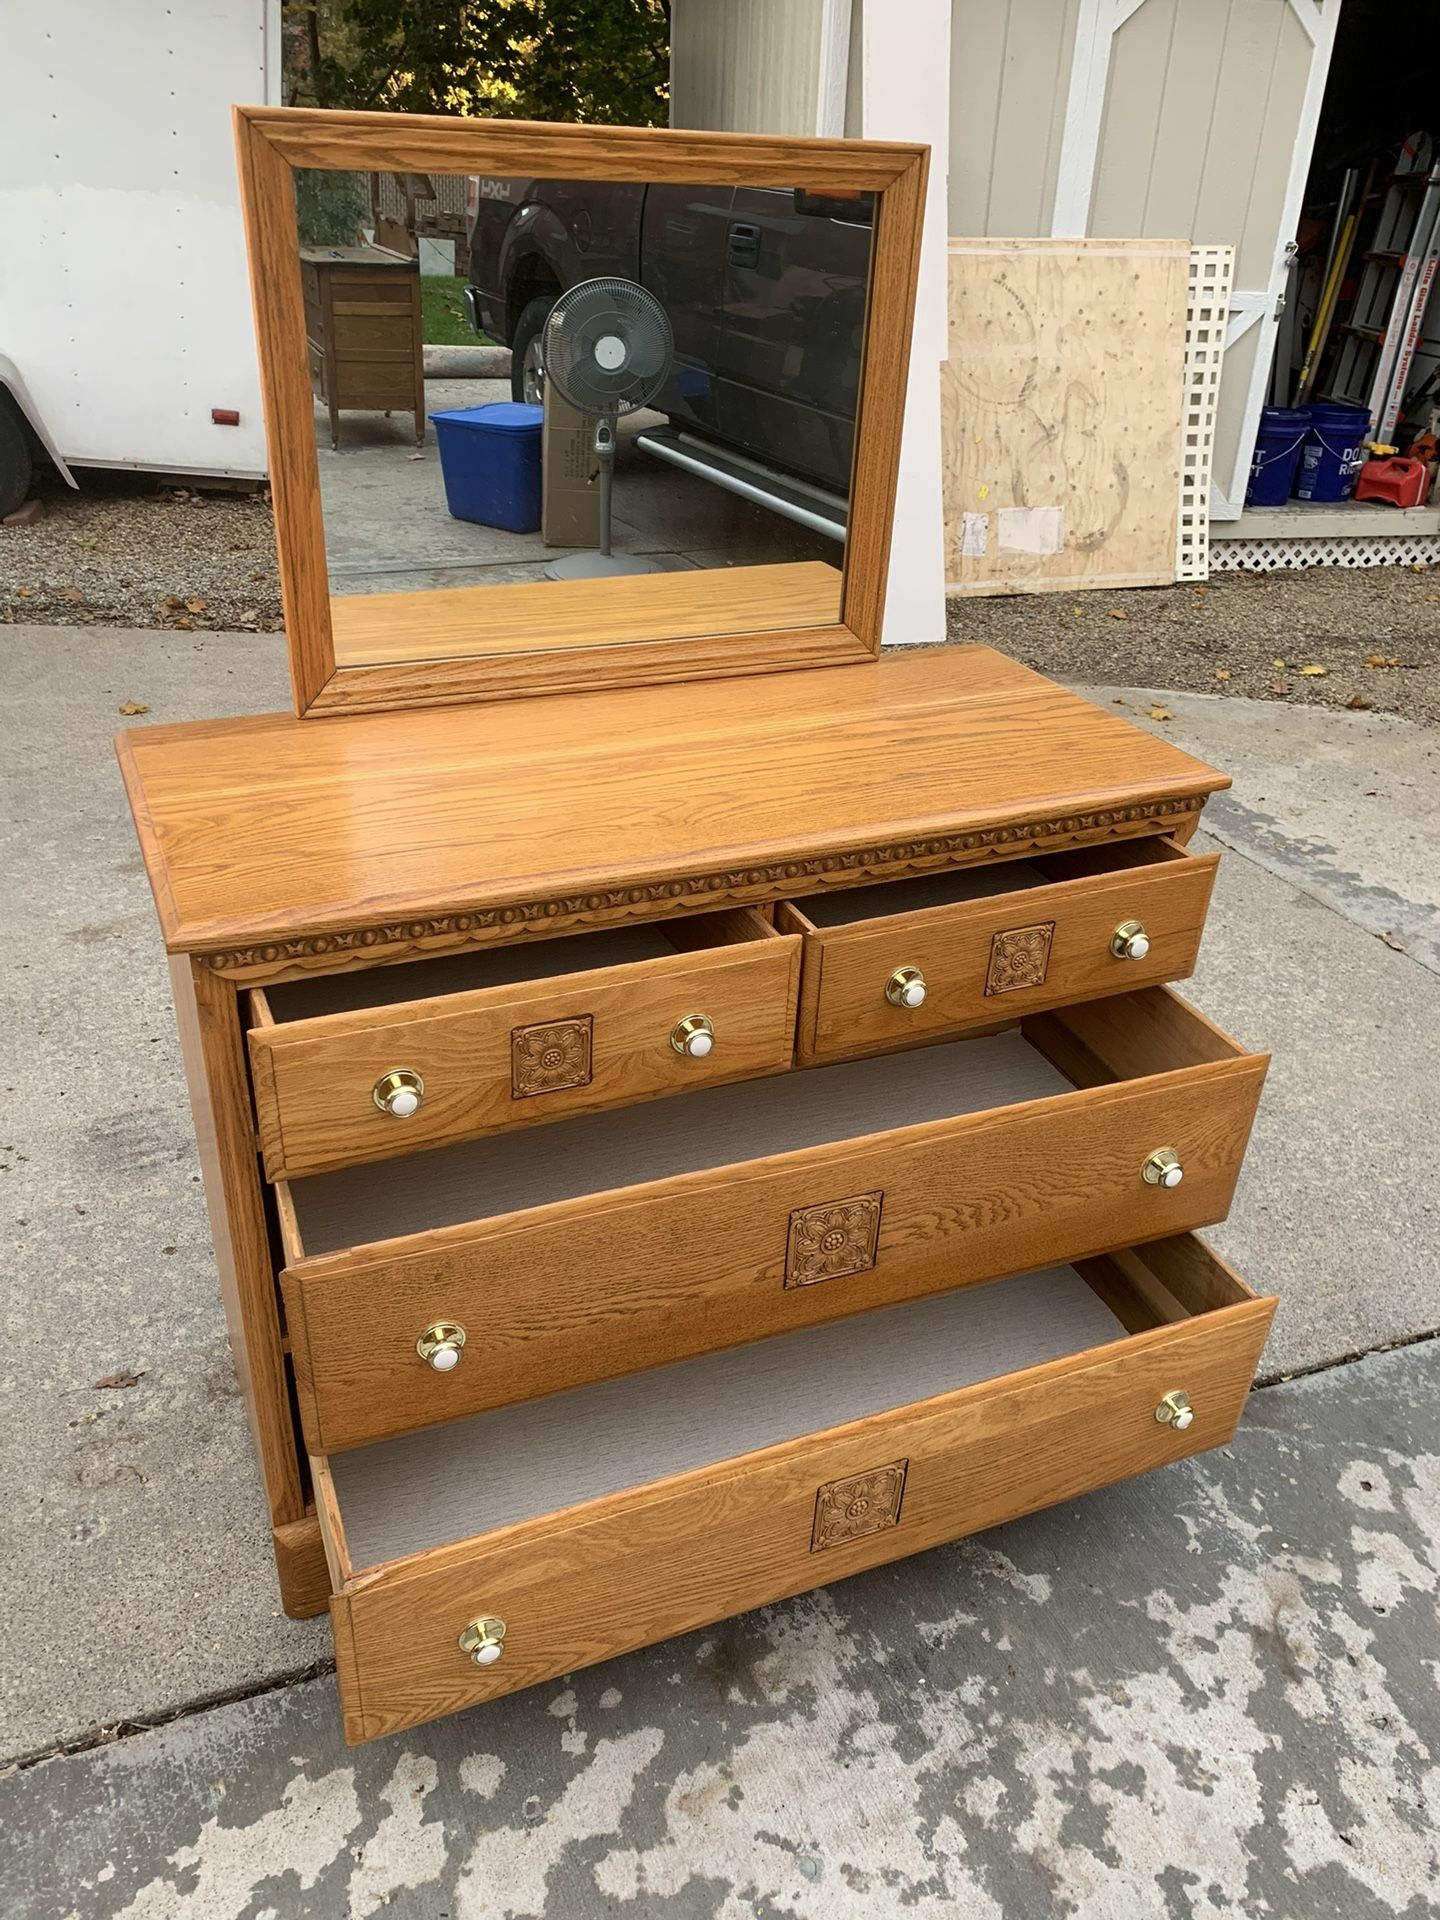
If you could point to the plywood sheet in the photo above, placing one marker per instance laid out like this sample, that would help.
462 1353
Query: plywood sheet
1061 405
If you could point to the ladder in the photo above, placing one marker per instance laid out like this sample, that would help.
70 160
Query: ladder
1379 338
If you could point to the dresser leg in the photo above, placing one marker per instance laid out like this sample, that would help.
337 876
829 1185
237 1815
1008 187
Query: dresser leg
300 1565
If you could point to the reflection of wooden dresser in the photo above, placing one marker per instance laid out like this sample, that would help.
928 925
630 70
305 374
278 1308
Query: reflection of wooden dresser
574 1306
363 331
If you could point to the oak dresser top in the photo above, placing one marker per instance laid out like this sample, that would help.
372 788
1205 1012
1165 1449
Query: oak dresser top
356 839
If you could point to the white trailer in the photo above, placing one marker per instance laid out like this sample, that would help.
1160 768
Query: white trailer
126 337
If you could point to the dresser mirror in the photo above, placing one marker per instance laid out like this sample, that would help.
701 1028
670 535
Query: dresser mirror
700 341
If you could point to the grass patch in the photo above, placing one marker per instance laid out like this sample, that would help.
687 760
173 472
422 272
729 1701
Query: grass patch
444 322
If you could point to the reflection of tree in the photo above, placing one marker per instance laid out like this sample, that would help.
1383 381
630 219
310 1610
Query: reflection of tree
604 61
330 208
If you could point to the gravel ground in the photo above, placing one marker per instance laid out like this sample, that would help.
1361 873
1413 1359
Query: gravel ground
1251 634
125 553
122 553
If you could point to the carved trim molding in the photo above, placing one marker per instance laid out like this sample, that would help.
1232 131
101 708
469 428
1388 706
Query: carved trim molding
731 886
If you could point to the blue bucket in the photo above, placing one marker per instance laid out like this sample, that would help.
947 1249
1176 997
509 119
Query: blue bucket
1277 454
1334 452
490 460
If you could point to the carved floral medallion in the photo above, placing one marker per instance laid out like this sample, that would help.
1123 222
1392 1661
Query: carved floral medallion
828 1241
545 1058
1019 957
865 1503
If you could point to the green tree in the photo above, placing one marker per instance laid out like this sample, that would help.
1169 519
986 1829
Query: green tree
603 61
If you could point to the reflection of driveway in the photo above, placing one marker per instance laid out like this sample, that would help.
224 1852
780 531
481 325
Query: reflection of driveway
387 528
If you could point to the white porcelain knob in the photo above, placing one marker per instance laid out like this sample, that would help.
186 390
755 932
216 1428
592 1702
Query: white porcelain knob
693 1036
906 987
1175 1411
483 1639
442 1345
1163 1168
1129 941
399 1093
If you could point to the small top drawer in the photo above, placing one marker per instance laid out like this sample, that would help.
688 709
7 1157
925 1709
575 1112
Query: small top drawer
359 1066
904 961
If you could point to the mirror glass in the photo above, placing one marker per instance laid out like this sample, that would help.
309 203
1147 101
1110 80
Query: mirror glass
578 413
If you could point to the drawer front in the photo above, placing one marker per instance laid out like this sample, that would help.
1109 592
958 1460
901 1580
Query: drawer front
514 1056
638 1567
587 1289
991 960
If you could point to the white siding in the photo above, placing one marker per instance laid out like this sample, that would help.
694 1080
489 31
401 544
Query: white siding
746 66
1009 75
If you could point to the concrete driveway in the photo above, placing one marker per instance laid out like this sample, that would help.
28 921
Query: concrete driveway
1211 1691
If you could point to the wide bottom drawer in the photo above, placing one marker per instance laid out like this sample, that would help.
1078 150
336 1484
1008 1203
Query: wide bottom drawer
482 1557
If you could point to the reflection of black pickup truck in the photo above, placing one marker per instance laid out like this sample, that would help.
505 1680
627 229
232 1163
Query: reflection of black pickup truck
765 289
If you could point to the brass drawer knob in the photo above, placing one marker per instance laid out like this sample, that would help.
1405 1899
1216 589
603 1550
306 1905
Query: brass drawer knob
442 1345
906 987
693 1036
399 1093
1175 1411
483 1640
1129 941
1163 1168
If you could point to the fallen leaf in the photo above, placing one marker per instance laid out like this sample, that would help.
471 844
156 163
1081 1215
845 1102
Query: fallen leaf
1314 671
1394 941
1161 713
1279 686
1359 704
1419 566
1432 596
1118 613
185 625
72 594
28 593
1222 673
121 1379
196 606
1381 660
170 604
134 706
1199 589
1279 665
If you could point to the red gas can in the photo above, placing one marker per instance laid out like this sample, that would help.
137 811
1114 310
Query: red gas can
1402 482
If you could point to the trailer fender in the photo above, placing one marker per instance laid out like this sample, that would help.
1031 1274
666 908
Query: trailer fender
13 381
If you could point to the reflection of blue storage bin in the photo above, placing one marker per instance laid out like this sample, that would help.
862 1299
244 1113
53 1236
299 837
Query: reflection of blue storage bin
490 459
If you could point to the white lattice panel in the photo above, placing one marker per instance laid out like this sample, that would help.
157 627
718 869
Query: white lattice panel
1377 550
1206 317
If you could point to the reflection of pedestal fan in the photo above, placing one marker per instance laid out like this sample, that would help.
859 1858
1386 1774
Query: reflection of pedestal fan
607 347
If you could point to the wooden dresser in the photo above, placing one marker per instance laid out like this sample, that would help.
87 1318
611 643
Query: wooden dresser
363 332
611 1105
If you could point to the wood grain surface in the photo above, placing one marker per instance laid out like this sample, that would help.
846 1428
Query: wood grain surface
213 1053
314 1078
273 141
612 1281
526 616
634 1567
276 847
843 1008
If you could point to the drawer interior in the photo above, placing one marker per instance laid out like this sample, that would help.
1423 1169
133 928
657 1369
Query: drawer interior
424 1490
844 906
1131 1036
509 966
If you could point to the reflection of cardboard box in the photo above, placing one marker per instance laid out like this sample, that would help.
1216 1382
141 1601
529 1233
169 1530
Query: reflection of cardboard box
570 507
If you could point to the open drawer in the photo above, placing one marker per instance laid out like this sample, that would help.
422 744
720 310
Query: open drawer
521 1544
888 965
353 1067
480 1275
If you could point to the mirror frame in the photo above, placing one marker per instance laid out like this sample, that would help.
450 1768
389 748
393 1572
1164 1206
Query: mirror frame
274 141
